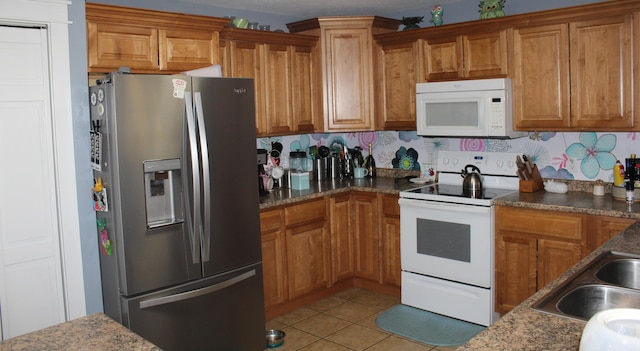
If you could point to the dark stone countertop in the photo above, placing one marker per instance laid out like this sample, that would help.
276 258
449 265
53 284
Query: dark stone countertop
524 328
95 332
329 187
573 201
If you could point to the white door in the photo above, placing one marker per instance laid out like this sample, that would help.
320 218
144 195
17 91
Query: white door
31 291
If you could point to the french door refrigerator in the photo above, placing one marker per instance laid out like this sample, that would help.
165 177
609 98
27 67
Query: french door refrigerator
177 209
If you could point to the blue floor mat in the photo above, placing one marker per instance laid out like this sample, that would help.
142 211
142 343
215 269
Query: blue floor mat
427 327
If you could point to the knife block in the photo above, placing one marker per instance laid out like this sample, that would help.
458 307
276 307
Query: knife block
534 183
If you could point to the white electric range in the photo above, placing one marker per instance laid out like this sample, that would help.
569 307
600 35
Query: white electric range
447 237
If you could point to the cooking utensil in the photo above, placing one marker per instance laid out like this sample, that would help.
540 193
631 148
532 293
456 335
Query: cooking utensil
323 151
472 183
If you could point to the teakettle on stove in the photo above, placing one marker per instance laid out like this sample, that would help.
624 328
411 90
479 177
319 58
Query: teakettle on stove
472 183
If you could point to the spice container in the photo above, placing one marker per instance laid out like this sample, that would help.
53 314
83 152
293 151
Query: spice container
598 188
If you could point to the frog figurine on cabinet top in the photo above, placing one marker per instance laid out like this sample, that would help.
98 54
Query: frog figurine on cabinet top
436 15
491 8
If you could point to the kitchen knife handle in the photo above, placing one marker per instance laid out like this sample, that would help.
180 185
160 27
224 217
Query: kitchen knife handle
194 235
206 178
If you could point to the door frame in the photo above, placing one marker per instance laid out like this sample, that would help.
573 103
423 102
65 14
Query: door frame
53 15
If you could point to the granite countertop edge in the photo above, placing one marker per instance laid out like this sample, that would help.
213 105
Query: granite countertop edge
96 332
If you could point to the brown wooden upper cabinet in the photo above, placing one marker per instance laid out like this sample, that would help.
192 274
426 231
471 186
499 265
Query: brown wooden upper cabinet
149 41
281 65
473 55
396 86
577 75
346 54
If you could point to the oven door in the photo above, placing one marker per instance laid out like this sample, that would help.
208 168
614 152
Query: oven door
448 241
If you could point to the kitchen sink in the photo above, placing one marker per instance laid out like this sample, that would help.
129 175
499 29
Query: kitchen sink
622 272
585 301
612 280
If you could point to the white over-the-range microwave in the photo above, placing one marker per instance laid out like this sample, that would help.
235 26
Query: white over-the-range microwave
466 108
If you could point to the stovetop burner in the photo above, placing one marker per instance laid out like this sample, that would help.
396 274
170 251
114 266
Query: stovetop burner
459 191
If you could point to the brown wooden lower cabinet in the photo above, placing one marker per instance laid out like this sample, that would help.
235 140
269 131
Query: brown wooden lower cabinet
534 247
342 252
366 238
274 258
315 248
390 241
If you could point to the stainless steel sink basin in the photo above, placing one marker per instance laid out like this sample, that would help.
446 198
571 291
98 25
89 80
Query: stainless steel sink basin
585 301
623 272
612 280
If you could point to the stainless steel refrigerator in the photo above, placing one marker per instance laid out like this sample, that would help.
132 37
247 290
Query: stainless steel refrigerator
177 209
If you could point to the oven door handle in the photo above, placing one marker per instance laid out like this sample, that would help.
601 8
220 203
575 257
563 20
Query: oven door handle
434 205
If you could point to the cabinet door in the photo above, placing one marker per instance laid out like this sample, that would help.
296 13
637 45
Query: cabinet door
274 258
111 46
365 214
278 89
442 58
485 54
390 241
307 258
554 258
601 73
540 81
399 73
246 62
602 228
342 262
305 92
348 61
181 50
516 270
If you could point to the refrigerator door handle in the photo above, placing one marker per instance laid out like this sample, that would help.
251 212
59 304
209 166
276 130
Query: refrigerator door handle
206 178
195 171
198 292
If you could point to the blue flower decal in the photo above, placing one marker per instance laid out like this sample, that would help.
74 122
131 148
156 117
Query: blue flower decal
594 152
300 145
406 159
544 136
407 136
550 172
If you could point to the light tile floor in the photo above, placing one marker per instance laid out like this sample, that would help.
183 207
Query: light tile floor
342 322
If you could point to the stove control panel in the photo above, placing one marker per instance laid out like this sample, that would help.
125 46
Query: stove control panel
489 163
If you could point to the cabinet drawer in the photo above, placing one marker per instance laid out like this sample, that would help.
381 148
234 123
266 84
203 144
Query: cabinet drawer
540 222
270 220
314 210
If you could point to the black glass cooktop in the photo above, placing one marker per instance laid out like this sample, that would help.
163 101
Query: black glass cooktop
458 191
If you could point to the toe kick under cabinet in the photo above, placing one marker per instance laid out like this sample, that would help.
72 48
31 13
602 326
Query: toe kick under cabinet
534 247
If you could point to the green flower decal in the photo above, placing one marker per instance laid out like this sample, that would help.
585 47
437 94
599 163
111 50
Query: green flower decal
406 159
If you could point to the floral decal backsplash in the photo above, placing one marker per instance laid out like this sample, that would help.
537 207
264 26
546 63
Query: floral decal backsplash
573 156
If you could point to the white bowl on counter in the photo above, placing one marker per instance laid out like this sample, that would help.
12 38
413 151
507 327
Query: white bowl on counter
615 329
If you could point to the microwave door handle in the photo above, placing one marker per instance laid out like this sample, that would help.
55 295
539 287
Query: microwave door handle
194 235
206 178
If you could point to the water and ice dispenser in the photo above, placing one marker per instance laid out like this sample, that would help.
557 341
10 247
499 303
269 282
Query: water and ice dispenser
163 192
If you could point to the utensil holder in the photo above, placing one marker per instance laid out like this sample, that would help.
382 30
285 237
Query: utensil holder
534 183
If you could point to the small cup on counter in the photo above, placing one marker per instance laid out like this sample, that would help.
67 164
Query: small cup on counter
360 172
598 188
